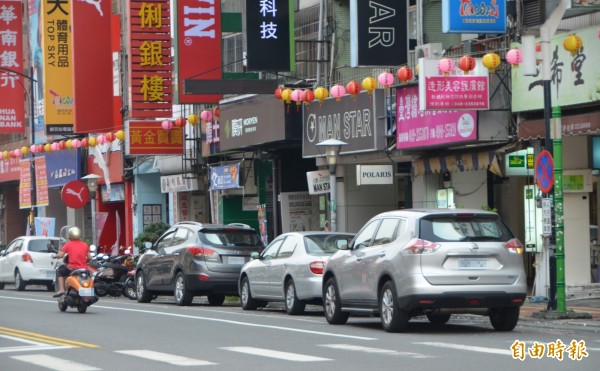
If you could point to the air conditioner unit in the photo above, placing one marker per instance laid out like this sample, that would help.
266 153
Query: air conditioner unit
432 50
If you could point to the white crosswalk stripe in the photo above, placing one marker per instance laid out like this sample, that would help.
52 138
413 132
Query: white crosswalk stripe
276 354
54 363
166 358
470 348
359 348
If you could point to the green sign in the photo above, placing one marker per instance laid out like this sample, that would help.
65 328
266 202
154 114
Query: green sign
573 182
516 161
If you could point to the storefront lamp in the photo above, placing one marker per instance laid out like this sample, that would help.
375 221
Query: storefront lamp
92 182
332 152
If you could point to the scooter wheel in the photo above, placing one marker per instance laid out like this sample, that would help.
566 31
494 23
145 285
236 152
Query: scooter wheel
62 306
82 308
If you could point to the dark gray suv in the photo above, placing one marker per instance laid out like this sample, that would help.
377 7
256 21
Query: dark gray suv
193 259
432 262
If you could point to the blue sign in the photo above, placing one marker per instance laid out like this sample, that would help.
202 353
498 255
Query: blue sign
474 16
44 226
225 177
62 167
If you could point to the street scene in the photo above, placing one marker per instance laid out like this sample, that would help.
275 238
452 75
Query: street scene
283 184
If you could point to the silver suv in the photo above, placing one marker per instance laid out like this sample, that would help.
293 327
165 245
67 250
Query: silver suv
432 262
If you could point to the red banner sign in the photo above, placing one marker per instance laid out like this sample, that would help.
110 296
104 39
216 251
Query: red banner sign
9 169
150 61
41 182
25 184
198 46
12 104
149 138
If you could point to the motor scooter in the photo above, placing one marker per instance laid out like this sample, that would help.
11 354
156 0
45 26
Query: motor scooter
79 289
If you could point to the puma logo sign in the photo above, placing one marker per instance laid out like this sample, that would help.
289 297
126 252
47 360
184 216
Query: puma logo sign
95 3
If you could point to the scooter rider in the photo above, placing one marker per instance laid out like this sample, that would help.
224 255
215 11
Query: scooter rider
79 255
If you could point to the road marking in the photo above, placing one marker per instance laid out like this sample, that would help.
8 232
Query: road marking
166 358
211 319
359 348
276 354
34 345
471 348
44 338
54 363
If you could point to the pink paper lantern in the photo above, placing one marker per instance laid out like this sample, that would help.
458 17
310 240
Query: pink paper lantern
206 115
337 91
514 57
297 96
33 148
446 65
166 125
54 147
385 79
101 139
18 153
76 143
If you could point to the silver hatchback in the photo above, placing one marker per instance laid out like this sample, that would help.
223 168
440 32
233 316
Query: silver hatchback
432 262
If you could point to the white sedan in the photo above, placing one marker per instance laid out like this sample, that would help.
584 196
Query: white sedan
290 269
28 260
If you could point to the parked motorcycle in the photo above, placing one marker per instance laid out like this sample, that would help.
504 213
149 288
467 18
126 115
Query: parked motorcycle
112 277
79 290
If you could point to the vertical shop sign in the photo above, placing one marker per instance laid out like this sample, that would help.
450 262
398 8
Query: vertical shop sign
58 79
25 184
199 50
150 67
92 66
41 182
12 104
269 26
262 223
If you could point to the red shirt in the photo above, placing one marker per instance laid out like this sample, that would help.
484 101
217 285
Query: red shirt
77 251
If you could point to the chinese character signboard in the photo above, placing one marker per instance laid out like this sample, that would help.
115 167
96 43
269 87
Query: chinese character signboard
150 67
454 91
574 78
225 177
470 16
63 167
198 48
92 66
58 66
378 32
10 169
417 128
12 103
41 182
269 27
149 138
25 184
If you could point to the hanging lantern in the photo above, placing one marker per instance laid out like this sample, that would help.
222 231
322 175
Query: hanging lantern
417 69
308 96
76 143
514 57
369 84
286 95
18 153
193 119
278 93
404 74
573 43
385 79
216 112
321 93
206 115
33 148
69 144
111 136
297 96
466 63
491 61
353 88
92 142
179 123
62 145
445 66
337 91
85 142
25 151
166 125
5 154
102 137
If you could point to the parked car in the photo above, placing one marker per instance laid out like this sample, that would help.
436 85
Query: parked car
432 262
290 269
27 260
194 259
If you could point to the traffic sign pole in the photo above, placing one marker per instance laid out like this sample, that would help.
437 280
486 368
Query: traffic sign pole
558 210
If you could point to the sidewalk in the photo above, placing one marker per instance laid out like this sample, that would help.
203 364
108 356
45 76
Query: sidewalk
536 314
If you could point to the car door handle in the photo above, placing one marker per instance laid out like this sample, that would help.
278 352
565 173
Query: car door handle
382 254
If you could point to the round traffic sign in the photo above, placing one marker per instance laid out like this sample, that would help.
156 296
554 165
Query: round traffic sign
544 171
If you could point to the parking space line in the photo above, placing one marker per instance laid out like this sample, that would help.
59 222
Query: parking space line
54 363
44 338
360 348
471 348
166 358
276 354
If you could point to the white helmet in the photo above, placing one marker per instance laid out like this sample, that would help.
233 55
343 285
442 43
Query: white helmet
74 233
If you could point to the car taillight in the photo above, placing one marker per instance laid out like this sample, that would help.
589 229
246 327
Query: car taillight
420 246
204 252
26 257
514 246
317 267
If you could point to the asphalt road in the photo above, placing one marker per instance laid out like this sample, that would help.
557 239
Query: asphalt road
120 334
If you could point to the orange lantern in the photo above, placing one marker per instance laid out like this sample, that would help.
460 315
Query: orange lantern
216 112
321 93
278 92
491 61
404 74
369 84
308 96
179 123
573 43
353 88
110 137
466 64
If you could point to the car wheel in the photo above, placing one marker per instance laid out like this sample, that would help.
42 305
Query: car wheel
215 300
248 303
1 285
182 295
143 295
504 319
332 304
292 304
50 287
438 319
19 283
393 319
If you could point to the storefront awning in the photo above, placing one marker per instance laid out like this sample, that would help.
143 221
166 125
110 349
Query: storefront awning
588 123
458 162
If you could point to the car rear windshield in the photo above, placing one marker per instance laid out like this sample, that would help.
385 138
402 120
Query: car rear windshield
325 244
230 237
457 228
43 245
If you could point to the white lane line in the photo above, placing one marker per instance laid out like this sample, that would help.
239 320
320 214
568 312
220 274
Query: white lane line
471 348
239 323
359 348
35 348
54 363
166 358
276 354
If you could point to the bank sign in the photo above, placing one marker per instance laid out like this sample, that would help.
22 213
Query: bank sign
358 121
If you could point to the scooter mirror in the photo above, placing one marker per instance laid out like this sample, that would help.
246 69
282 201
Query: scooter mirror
93 249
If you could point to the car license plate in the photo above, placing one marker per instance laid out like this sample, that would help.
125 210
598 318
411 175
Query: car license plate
236 260
49 274
86 291
472 263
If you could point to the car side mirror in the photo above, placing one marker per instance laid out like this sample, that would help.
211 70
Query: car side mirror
254 255
147 245
3 253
